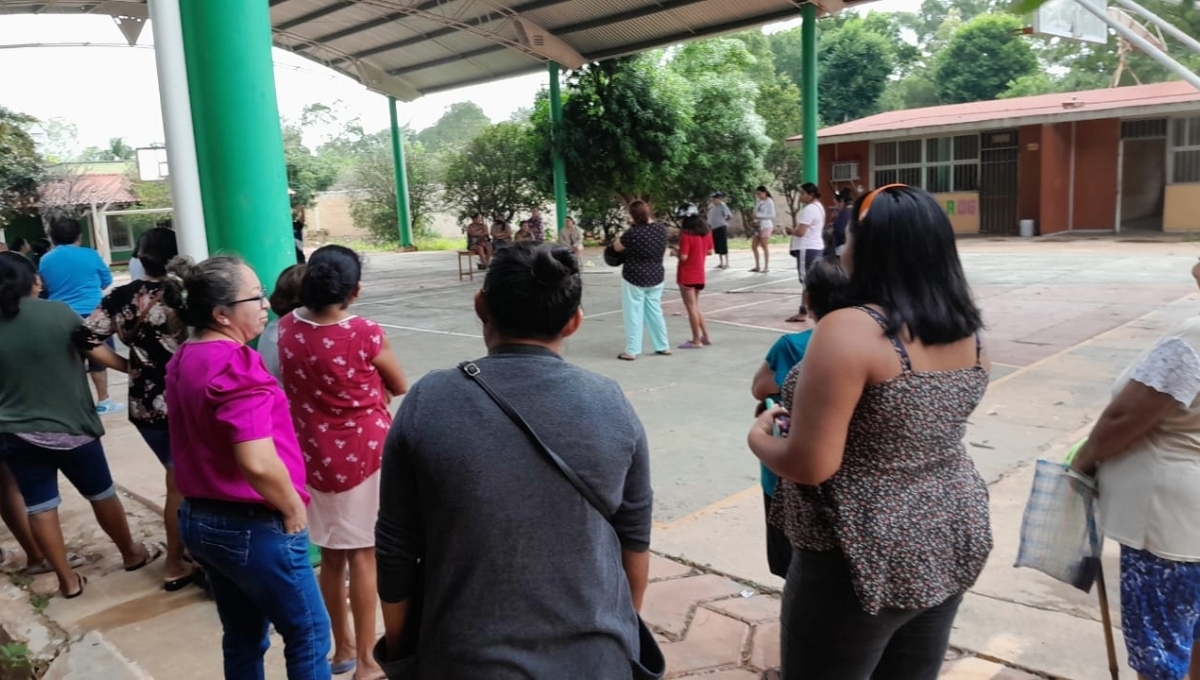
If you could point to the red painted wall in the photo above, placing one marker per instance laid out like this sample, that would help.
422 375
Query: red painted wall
1029 173
1055 175
1097 144
844 153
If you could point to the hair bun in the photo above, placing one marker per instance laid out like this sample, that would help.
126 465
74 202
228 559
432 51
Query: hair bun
550 266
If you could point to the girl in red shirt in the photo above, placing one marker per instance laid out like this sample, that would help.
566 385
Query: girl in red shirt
695 244
339 373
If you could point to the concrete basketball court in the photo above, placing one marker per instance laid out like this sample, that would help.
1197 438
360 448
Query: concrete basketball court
1064 318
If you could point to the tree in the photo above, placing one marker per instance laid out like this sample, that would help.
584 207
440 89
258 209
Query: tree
117 150
495 174
21 167
373 203
855 63
59 140
307 173
779 105
461 123
625 128
727 137
983 57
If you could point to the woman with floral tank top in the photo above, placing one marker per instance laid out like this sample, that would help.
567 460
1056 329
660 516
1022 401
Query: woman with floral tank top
886 511
339 373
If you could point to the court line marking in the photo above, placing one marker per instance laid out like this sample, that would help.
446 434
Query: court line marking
429 330
697 514
1081 344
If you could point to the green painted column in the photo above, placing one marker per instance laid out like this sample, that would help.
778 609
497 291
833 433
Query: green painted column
560 164
808 91
403 213
239 145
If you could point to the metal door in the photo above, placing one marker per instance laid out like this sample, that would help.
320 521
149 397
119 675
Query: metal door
998 182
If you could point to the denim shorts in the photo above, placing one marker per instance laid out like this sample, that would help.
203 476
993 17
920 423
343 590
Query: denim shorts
1160 613
94 367
36 471
159 442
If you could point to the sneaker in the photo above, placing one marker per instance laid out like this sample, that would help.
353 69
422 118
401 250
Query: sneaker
109 407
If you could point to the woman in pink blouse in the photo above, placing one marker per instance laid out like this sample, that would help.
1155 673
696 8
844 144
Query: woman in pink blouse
240 471
340 374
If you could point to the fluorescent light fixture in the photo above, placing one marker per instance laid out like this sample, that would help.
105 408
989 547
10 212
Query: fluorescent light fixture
375 79
546 45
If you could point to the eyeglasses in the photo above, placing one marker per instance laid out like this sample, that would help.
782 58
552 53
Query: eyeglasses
260 299
866 204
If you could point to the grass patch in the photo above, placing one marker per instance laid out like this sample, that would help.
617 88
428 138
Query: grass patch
39 602
441 243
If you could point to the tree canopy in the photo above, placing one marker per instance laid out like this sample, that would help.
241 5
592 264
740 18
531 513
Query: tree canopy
21 167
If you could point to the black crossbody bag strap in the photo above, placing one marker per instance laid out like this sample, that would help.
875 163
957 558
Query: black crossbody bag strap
472 371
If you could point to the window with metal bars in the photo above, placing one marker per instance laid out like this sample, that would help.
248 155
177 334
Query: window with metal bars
1184 156
1146 128
936 164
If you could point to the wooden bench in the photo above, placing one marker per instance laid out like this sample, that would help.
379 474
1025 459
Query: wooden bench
466 265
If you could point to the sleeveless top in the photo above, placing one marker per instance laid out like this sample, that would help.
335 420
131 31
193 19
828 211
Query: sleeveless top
908 509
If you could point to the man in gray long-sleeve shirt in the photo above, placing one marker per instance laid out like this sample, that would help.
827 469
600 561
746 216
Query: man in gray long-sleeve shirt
522 578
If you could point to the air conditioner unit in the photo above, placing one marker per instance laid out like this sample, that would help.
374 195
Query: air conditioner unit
844 172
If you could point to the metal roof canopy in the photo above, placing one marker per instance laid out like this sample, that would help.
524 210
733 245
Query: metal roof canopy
410 48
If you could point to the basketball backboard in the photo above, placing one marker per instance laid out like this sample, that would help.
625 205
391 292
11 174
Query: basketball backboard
1067 19
152 164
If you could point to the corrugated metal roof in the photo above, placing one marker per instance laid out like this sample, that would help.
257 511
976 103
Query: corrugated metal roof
86 189
408 48
1124 102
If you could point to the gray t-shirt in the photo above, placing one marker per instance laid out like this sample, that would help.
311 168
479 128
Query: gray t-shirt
522 577
718 215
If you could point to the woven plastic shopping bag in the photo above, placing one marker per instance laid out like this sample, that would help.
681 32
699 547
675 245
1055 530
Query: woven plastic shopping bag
1059 536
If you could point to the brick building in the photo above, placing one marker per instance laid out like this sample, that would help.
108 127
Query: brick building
1120 159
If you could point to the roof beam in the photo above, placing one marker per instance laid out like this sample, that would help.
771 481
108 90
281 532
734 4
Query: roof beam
640 13
731 27
311 16
443 32
373 23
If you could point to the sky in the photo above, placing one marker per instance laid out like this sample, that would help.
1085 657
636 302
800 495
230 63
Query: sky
109 89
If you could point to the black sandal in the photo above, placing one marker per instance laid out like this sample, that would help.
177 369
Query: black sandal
153 552
77 593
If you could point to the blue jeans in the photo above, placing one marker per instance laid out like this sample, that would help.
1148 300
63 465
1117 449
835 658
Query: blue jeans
643 305
259 576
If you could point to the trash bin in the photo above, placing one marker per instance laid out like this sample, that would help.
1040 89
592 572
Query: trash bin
1027 227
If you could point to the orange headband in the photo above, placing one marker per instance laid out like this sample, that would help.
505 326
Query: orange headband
866 204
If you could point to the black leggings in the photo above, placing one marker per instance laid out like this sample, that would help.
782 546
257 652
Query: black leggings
827 636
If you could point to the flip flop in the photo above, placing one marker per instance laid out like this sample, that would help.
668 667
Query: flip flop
180 583
691 345
343 667
705 341
74 561
626 357
153 552
664 353
796 319
77 593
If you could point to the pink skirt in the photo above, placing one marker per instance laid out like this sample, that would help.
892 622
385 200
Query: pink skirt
345 520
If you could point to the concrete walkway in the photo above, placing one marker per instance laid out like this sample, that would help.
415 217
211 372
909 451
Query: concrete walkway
1063 318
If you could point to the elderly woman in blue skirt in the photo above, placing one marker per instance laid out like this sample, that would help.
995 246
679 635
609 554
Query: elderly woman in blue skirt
1145 450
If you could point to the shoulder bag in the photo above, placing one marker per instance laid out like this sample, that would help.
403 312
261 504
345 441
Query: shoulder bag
650 665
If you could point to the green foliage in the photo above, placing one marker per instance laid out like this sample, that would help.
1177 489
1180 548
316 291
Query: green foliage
308 174
373 203
625 124
21 167
854 63
726 136
495 174
461 123
983 57
15 656
117 150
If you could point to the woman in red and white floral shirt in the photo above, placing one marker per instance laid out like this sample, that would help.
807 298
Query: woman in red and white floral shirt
339 373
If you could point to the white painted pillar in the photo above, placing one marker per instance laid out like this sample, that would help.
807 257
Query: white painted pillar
183 172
